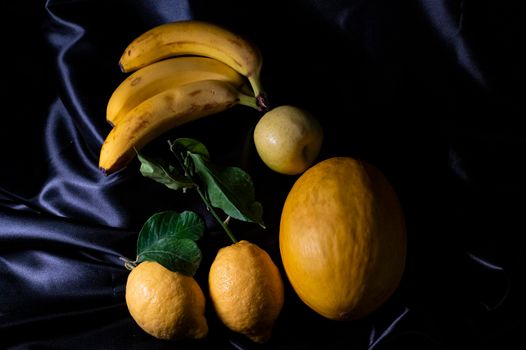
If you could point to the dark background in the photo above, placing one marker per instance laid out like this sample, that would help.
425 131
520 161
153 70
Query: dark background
429 91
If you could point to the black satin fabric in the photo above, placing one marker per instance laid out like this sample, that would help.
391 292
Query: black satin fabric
430 91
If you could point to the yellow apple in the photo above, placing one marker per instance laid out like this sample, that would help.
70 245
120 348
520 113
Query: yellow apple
288 139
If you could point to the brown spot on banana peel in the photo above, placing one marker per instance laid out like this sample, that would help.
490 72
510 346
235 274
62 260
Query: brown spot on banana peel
143 123
195 93
168 99
250 52
148 35
236 42
135 81
209 106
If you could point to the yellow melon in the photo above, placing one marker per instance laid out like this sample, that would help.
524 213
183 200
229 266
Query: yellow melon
342 238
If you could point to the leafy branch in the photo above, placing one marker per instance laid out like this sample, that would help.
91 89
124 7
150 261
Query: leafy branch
168 237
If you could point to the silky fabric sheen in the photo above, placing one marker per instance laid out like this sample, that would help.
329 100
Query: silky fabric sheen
429 91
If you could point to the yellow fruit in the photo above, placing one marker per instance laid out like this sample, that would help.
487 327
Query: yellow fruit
342 238
246 290
166 304
288 139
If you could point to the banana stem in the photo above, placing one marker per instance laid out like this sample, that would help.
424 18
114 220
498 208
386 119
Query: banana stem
214 214
261 97
249 101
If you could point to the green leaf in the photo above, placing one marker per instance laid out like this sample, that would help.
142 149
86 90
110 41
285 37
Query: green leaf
185 145
171 223
164 173
179 255
169 238
230 189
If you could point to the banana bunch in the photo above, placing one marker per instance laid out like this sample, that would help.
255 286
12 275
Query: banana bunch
180 71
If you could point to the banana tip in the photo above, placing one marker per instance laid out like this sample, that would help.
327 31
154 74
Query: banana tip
104 171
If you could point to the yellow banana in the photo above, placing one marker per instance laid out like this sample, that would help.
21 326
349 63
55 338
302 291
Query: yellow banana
164 111
159 76
198 38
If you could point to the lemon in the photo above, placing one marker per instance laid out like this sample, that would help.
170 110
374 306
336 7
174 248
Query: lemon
343 238
246 290
166 304
288 139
